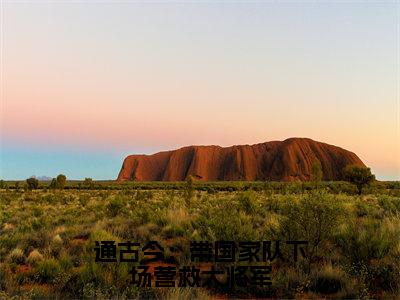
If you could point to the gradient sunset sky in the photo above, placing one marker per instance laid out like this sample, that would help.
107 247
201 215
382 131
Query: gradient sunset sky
85 83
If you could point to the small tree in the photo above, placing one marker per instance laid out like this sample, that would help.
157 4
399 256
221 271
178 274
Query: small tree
61 181
32 183
3 184
316 172
88 182
53 184
359 176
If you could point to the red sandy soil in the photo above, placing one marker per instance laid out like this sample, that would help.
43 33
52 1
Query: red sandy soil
288 160
24 269
44 288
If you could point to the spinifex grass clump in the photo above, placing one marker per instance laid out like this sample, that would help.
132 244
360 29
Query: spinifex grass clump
17 256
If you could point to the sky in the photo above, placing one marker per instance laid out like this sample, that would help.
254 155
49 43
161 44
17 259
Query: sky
85 83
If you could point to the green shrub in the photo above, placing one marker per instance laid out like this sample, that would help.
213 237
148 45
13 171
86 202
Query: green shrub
17 256
391 205
247 201
49 198
46 271
88 182
311 218
115 206
226 222
362 242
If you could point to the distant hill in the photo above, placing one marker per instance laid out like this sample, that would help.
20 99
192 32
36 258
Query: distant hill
42 178
287 160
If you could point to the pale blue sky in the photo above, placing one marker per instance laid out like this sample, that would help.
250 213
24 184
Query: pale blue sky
87 82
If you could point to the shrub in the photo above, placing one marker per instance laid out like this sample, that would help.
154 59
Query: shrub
32 183
391 205
46 271
34 257
17 256
372 253
49 198
115 205
225 222
88 182
247 201
311 218
362 242
53 184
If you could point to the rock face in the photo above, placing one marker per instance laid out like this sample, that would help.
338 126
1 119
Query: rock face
288 160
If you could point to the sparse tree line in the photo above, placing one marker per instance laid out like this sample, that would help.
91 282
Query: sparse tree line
59 182
56 183
359 177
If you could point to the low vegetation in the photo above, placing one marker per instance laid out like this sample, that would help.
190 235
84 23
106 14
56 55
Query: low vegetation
47 235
